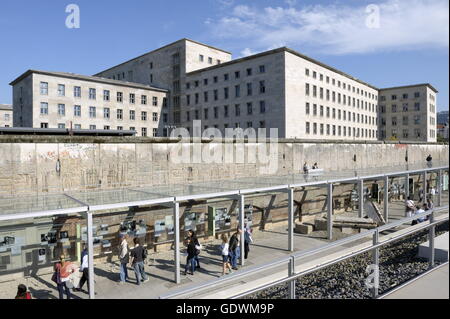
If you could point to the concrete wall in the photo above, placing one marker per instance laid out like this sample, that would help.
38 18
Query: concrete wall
29 165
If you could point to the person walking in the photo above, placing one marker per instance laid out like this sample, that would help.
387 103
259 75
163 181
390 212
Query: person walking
124 258
22 292
305 168
224 248
234 248
247 240
137 262
410 207
198 247
429 160
61 276
191 253
84 269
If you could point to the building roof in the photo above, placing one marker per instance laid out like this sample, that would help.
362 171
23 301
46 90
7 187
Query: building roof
411 86
6 107
88 78
282 49
161 48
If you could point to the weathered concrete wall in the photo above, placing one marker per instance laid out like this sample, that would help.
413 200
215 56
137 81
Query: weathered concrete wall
29 166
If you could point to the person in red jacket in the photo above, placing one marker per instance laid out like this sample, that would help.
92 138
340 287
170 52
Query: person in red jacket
22 292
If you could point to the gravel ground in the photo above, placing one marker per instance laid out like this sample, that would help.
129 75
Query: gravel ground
346 280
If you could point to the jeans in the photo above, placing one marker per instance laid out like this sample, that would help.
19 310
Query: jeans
84 278
190 262
197 262
123 272
246 249
140 272
234 255
61 287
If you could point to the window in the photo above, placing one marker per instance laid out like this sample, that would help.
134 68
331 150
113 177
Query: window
321 77
225 111
262 86
44 88
106 95
166 118
262 106
144 99
120 128
77 91
61 90
405 96
315 128
196 98
307 108
314 91
144 131
188 116
120 114
61 109
237 90
210 60
237 110
314 74
77 110
205 113
394 121
334 130
44 108
196 83
119 97
237 74
92 111
201 58
307 129
307 89
393 97
307 72
216 112
249 72
417 132
328 129
150 65
321 129
92 127
132 115
106 113
144 116
225 77
416 106
249 124
334 113
328 111
155 117
249 89
132 98
262 69
394 108
321 93
249 108
155 132
405 107
416 95
106 127
225 93
321 110
44 125
92 94
262 124
405 120
315 109
416 119
205 82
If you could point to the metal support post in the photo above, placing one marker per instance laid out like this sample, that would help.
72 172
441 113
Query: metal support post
241 225
330 211
90 245
425 187
291 219
386 199
439 188
176 220
361 198
376 263
431 235
406 186
291 272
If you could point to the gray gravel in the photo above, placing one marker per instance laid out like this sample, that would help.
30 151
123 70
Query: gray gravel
346 280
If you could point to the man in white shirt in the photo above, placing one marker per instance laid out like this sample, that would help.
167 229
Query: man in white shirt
84 268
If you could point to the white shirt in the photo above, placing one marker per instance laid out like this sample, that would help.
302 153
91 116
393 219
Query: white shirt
84 262
224 249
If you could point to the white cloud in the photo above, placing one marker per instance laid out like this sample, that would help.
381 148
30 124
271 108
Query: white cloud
332 29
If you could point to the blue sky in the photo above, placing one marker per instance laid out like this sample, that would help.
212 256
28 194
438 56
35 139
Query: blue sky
397 42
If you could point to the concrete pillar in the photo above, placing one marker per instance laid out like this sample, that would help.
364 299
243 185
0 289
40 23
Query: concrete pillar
90 245
439 188
241 225
361 198
386 199
425 186
330 211
291 223
406 186
176 220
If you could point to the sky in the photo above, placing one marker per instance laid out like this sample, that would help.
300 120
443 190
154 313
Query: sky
383 42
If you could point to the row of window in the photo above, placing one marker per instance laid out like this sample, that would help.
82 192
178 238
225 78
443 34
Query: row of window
93 112
226 111
404 96
405 120
226 77
405 107
344 85
344 99
226 93
201 58
249 124
93 94
105 127
340 115
337 130
405 133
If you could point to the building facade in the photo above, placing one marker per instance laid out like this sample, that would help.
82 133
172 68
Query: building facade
63 100
408 113
283 89
6 115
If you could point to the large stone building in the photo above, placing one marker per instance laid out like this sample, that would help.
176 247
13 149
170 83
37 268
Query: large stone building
64 100
408 113
301 97
6 115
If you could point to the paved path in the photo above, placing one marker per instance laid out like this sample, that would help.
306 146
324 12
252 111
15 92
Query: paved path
431 286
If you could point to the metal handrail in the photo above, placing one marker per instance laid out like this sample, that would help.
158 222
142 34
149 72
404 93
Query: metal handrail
313 251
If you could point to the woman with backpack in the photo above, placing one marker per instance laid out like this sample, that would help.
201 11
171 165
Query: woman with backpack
224 247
